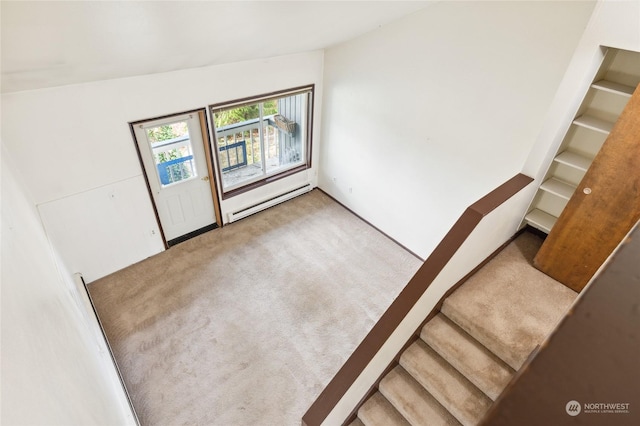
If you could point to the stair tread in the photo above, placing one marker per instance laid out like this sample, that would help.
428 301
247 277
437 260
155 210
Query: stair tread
509 306
377 411
356 422
413 401
452 390
489 373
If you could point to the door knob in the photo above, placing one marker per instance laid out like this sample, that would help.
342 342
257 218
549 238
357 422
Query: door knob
206 178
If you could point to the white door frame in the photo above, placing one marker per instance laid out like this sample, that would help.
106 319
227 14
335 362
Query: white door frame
205 175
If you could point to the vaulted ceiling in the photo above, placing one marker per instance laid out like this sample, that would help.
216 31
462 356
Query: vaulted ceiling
53 43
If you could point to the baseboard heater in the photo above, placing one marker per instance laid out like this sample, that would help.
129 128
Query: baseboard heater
248 211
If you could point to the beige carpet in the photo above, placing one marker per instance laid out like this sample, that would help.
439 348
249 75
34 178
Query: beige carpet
468 353
509 306
246 324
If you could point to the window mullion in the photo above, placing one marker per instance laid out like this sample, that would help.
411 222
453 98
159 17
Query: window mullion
261 135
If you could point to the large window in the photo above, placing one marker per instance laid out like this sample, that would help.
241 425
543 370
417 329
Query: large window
262 138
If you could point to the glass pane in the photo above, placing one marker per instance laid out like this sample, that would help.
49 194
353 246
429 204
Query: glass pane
172 153
238 138
260 139
285 133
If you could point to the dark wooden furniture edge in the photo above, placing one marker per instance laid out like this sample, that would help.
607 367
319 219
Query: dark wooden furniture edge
591 356
423 278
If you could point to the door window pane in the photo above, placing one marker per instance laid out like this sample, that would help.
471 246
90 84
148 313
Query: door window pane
172 153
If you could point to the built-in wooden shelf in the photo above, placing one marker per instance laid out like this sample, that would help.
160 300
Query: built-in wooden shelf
613 87
558 187
594 123
574 160
541 220
615 82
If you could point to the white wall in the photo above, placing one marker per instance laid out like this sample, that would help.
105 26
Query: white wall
492 231
54 369
613 24
429 113
74 150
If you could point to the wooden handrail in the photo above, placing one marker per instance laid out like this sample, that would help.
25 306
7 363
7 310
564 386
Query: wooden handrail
405 301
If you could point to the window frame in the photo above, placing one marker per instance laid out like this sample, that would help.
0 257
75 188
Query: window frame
266 179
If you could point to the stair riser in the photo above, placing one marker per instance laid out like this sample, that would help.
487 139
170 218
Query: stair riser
485 370
452 390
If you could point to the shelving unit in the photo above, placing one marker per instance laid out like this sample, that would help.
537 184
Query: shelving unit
541 220
614 84
557 187
593 123
574 160
613 87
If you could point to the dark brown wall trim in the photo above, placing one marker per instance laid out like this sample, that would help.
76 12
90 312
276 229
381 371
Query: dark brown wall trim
146 181
202 119
259 98
370 224
248 187
416 334
390 320
113 358
160 117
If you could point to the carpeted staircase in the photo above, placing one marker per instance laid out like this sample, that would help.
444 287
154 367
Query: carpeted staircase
467 354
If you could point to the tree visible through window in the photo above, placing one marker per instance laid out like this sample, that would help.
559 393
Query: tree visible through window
172 152
260 139
244 113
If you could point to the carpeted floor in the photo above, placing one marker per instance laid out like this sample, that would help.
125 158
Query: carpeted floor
246 324
509 305
468 353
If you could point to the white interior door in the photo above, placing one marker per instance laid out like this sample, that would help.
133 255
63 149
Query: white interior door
173 154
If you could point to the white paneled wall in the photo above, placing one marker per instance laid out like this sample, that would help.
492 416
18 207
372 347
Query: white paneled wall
97 250
76 155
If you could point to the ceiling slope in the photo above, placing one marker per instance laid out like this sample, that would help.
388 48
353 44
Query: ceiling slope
47 44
